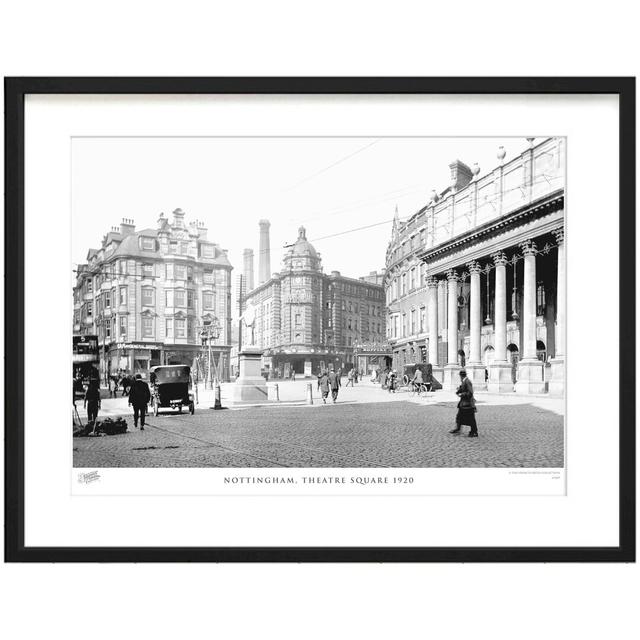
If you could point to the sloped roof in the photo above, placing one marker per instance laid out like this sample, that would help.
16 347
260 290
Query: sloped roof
130 246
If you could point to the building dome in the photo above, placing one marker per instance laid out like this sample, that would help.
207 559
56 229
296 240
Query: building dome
302 247
301 254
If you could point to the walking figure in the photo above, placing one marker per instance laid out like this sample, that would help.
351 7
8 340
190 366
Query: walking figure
466 406
391 383
92 400
350 378
323 384
139 396
334 383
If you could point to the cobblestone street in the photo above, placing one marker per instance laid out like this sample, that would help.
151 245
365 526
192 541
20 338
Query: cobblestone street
396 431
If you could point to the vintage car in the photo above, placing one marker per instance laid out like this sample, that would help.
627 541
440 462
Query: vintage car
171 388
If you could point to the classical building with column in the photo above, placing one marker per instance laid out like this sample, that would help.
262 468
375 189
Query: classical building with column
307 320
148 294
476 277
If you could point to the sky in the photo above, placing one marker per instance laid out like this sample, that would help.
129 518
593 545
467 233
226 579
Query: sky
332 186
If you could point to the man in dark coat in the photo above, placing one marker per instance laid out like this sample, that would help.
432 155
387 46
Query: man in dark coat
92 400
466 406
334 383
139 396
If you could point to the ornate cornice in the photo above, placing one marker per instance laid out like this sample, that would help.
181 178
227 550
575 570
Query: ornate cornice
537 209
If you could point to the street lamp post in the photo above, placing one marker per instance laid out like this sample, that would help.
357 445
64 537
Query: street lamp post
209 332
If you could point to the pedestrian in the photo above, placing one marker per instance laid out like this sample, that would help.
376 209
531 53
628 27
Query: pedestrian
466 406
350 378
334 383
323 384
139 396
383 378
293 375
92 401
113 386
391 385
355 376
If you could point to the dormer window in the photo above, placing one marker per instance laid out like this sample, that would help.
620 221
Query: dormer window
206 251
147 244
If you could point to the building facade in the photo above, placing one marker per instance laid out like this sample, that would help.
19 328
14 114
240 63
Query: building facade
476 277
307 320
150 295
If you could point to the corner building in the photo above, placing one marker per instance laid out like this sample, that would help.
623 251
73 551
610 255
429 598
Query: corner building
476 278
146 294
307 320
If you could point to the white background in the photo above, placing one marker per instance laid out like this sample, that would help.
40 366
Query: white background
328 39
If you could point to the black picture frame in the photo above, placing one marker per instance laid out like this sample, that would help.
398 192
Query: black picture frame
15 91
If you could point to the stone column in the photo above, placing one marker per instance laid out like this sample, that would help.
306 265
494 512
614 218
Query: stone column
452 331
475 368
529 368
556 384
500 368
432 310
451 369
442 309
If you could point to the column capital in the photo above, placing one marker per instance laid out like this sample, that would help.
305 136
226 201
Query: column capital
474 267
442 283
432 282
528 248
452 275
559 234
499 258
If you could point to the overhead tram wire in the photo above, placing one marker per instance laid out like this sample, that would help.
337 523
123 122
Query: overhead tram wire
402 221
333 164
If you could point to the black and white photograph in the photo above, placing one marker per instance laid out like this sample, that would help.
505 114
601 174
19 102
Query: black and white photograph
318 302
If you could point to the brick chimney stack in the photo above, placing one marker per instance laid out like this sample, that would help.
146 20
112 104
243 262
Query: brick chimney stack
264 258
127 227
248 269
461 175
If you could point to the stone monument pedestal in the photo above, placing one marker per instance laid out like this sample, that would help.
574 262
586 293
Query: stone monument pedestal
500 380
250 387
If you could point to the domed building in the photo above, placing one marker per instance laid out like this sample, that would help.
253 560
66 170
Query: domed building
307 320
